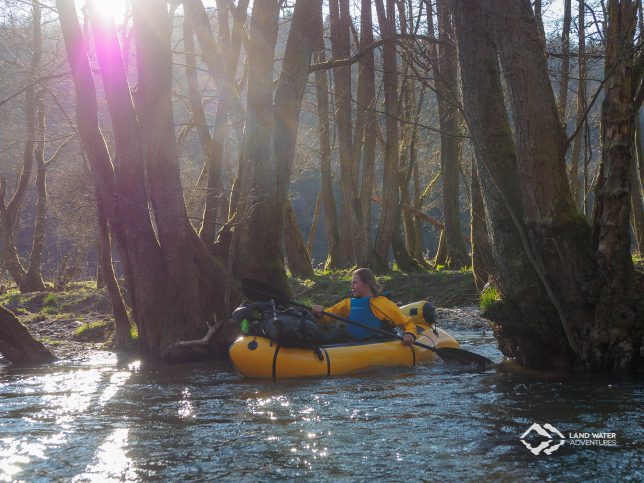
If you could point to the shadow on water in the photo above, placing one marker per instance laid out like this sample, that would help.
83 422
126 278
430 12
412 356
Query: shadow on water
104 419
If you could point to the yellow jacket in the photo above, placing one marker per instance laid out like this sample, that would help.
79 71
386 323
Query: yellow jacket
382 308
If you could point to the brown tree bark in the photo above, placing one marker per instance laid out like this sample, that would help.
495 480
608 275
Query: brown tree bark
314 223
276 125
578 142
576 295
122 336
17 344
535 342
390 208
297 254
28 279
174 283
331 227
482 261
637 191
617 333
33 280
565 62
231 45
446 79
364 141
340 21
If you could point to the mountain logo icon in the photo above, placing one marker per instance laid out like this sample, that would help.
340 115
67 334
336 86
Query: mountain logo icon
551 440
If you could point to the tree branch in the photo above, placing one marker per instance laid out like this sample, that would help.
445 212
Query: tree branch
336 63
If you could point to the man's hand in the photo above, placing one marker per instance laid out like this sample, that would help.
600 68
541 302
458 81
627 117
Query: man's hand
317 310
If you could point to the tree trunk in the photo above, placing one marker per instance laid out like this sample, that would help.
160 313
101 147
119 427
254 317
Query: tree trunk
187 263
364 140
297 255
262 240
637 192
174 283
17 344
539 16
482 261
535 341
390 212
332 230
122 337
340 20
565 62
196 12
30 279
616 335
581 109
314 224
445 73
33 281
567 268
576 295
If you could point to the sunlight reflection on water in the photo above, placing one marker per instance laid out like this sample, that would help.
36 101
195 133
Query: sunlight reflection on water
104 420
111 462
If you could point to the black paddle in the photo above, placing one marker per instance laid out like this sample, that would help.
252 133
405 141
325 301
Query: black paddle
259 291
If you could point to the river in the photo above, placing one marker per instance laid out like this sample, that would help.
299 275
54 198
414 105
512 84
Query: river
100 419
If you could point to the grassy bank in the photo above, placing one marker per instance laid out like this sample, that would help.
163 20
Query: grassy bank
444 289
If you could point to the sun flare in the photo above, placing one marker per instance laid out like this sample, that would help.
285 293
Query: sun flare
115 9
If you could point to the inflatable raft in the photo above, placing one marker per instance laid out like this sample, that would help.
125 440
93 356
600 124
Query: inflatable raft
260 357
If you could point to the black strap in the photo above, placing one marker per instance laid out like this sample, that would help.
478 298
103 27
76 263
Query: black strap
277 349
328 361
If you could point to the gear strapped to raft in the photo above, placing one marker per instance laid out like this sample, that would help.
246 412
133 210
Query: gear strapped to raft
286 326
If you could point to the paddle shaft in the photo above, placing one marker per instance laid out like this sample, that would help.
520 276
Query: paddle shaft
253 288
365 326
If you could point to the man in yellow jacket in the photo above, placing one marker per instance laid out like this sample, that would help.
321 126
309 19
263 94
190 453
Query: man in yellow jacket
369 308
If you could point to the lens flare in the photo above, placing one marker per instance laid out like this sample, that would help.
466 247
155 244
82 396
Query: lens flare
115 9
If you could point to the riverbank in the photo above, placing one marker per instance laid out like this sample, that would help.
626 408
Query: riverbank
76 322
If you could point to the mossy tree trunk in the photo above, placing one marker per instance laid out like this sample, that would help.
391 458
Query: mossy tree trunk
482 262
297 254
28 279
332 230
270 135
637 192
578 142
17 344
331 227
175 284
572 298
390 207
122 335
454 255
340 24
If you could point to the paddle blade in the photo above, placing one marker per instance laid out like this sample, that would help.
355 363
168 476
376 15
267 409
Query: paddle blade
260 292
464 357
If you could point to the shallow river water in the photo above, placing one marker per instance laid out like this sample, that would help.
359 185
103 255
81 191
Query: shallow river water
101 419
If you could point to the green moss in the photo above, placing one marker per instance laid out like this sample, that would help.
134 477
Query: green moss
50 300
49 310
638 260
489 298
134 333
93 331
50 342
445 289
